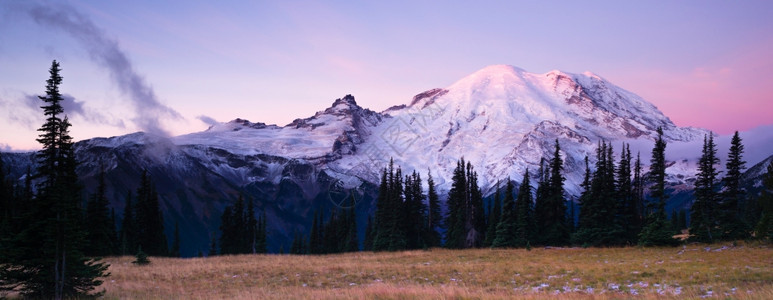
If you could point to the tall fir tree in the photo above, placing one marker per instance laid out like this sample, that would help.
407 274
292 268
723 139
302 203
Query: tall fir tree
476 228
352 241
149 219
586 203
380 228
601 207
241 232
47 260
367 243
315 236
228 227
251 235
415 212
525 230
703 212
540 199
656 230
629 210
100 228
733 197
457 208
129 232
506 228
6 192
638 197
389 232
433 214
466 218
494 212
551 214
764 228
261 244
397 239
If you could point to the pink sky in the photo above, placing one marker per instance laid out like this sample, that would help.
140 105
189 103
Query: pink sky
734 92
703 63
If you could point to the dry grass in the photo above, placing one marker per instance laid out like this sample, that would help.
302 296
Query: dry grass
745 271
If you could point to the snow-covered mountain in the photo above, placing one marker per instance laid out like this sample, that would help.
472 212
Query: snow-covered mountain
502 119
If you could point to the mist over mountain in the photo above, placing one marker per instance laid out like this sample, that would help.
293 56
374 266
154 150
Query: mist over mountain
501 118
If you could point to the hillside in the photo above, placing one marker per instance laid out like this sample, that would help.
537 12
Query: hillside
502 119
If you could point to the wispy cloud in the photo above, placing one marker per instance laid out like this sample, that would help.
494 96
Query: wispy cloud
105 51
23 111
207 120
26 111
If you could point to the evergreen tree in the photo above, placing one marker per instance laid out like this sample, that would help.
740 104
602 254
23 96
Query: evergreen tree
141 258
47 259
241 232
702 215
495 211
100 229
367 244
465 220
352 242
476 230
601 209
551 214
380 232
227 229
315 236
6 193
638 196
238 230
128 227
150 222
250 238
656 230
584 222
261 246
525 230
415 213
764 229
506 228
297 245
390 214
731 224
629 211
332 233
116 241
433 214
540 200
457 208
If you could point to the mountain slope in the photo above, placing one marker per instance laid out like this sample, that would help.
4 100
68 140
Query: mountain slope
502 119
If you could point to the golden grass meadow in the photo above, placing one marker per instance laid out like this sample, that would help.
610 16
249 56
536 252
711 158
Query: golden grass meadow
743 271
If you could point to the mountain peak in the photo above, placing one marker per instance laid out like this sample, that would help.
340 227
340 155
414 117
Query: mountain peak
498 69
347 100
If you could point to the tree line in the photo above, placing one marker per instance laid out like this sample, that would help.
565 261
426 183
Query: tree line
241 231
619 205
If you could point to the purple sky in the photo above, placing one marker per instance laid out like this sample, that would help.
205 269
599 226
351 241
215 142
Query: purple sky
128 64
